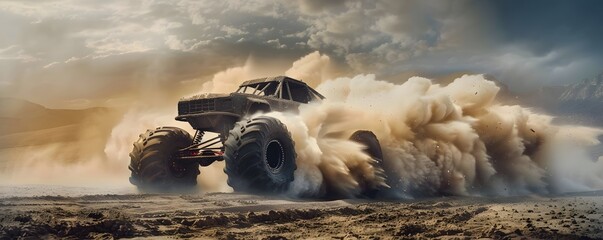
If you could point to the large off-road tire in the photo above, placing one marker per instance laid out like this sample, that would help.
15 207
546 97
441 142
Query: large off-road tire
373 149
260 156
152 161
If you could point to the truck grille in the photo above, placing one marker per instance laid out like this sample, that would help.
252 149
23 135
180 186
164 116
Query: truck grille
201 105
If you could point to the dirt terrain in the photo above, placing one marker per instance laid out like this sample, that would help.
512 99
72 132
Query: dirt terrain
125 214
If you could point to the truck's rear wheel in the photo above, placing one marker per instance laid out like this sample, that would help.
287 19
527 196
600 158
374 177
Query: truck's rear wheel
153 165
373 149
260 156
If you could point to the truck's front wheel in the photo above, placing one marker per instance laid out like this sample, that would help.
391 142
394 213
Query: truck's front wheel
153 165
260 156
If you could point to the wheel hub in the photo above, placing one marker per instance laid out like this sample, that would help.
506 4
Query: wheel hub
275 155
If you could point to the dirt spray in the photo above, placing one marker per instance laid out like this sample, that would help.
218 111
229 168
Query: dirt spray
452 140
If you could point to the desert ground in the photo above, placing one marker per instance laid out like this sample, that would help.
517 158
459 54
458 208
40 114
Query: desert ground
53 212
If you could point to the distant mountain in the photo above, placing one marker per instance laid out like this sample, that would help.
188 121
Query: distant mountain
577 103
12 108
581 102
590 90
17 115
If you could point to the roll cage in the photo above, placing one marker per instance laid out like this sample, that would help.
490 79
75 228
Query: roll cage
282 88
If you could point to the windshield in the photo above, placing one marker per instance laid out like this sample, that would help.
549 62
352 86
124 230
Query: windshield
260 89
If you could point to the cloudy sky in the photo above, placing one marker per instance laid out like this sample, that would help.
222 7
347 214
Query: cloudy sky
81 53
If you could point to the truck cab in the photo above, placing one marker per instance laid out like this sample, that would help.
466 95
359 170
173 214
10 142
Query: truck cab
218 112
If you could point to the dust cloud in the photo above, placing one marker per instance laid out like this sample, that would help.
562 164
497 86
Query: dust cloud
453 139
66 152
450 139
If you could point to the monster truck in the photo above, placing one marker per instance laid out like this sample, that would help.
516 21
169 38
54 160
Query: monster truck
258 152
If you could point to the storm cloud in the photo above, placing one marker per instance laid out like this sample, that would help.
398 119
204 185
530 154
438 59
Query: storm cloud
67 53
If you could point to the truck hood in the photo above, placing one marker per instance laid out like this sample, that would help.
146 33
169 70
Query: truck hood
205 96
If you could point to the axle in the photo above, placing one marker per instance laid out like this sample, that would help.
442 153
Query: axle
202 152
